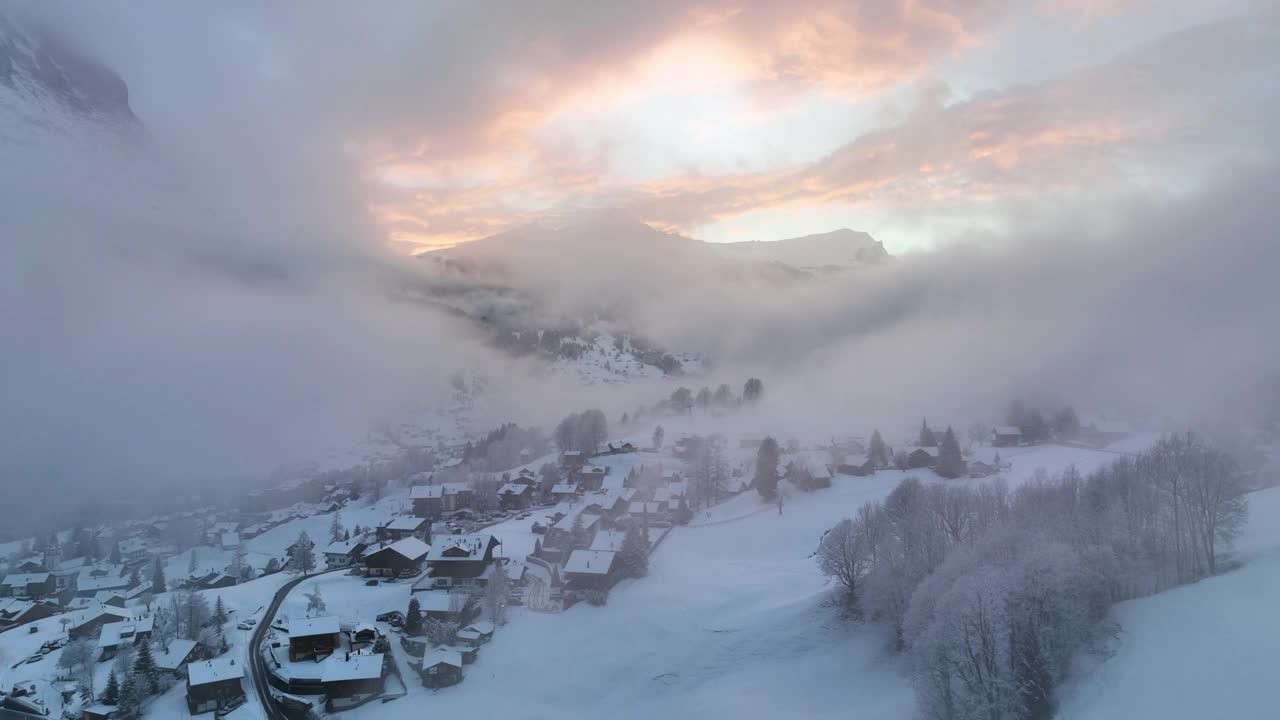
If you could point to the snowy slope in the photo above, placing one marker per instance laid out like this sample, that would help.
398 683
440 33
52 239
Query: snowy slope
1200 651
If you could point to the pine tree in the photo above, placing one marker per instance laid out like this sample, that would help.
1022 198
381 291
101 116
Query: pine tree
111 695
635 553
191 565
144 667
658 434
157 577
115 554
135 578
927 438
950 460
878 452
219 612
752 391
413 618
766 476
129 704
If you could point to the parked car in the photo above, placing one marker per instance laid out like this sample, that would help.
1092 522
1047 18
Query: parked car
371 583
524 516
394 617
247 624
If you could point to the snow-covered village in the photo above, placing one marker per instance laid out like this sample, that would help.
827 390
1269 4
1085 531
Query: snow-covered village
445 581
607 360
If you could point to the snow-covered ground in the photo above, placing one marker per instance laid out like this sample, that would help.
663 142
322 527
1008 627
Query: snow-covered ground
1205 650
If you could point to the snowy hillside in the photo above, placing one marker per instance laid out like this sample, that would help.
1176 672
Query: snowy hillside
838 249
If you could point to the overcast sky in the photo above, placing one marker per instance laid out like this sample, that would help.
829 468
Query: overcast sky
723 119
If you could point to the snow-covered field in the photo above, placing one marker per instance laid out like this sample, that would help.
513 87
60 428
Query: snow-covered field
1208 650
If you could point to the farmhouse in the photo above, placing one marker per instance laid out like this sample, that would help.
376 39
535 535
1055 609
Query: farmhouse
405 526
351 680
214 684
592 570
134 551
434 501
1105 432
1006 435
15 612
476 634
441 668
27 585
402 558
515 496
445 606
344 553
592 478
461 560
175 658
571 461
92 620
312 638
560 492
922 457
124 633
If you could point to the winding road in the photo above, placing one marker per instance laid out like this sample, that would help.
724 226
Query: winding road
256 664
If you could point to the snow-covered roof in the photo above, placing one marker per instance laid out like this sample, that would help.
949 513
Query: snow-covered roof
103 596
564 488
483 627
436 656
216 670
178 651
426 492
820 471
571 453
343 547
460 547
1006 430
307 627
608 540
589 562
24 579
87 582
411 548
405 523
125 631
637 508
514 489
102 710
358 667
434 601
230 539
11 608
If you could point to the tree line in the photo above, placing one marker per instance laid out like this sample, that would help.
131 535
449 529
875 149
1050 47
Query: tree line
991 592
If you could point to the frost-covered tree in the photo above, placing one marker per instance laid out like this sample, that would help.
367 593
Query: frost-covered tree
336 530
752 391
315 602
302 554
681 400
843 556
496 594
877 451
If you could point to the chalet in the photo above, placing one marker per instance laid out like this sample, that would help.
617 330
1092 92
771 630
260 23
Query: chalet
344 553
1105 432
214 684
134 551
526 477
444 606
560 536
114 598
124 633
98 712
571 461
561 492
592 478
312 638
229 540
14 612
460 560
399 528
819 476
94 580
22 703
515 496
351 680
175 658
214 581
922 457
91 621
434 501
592 570
476 634
608 541
28 585
402 558
863 470
32 564
1006 436
622 449
441 668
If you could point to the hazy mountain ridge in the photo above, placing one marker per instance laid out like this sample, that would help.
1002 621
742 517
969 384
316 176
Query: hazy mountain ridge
47 84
